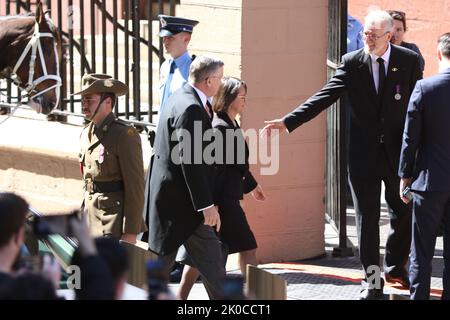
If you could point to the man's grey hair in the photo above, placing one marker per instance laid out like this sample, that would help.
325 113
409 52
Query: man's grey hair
444 44
203 67
379 19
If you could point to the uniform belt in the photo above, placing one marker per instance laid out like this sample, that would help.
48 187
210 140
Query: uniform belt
103 186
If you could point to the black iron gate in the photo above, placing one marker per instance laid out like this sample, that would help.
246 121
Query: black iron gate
113 37
336 162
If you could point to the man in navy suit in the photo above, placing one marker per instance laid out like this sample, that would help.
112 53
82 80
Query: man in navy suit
425 167
181 204
379 80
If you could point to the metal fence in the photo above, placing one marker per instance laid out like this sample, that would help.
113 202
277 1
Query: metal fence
336 162
114 37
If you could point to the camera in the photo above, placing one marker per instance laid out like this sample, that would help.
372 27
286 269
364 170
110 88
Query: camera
157 280
54 224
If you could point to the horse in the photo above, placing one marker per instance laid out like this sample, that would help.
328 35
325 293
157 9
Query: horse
31 55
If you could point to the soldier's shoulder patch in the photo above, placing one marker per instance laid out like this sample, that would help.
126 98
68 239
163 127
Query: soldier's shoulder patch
131 131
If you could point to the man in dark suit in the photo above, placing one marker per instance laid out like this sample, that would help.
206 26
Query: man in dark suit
425 161
378 80
181 210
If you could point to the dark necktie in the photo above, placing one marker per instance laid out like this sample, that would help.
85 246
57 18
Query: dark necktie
209 109
166 90
173 66
381 76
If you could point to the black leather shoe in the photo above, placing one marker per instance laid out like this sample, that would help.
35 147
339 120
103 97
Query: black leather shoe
403 280
371 294
177 272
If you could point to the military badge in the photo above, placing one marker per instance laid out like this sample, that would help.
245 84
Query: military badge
397 95
394 69
101 154
108 83
130 131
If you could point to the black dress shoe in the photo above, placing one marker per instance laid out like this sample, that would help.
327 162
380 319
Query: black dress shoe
177 272
402 279
371 294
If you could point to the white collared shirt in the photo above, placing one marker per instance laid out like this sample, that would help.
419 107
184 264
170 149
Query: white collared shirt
376 66
200 93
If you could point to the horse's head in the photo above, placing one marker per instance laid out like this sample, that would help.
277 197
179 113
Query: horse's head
37 68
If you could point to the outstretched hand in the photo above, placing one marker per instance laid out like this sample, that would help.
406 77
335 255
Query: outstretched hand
272 128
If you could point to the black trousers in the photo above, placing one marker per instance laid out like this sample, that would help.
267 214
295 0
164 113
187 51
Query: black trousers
205 251
429 209
366 192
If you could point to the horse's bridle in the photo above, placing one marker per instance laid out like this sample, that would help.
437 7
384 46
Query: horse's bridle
35 45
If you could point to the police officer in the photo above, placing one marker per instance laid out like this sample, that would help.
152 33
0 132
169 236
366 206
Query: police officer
111 163
176 33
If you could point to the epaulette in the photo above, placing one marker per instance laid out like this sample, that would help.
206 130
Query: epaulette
121 122
131 130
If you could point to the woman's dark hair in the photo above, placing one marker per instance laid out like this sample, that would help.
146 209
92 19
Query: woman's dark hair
398 15
227 93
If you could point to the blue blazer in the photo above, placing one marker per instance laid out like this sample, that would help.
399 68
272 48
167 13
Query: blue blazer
425 153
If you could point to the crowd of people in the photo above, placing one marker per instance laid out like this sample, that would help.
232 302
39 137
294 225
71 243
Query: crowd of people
190 210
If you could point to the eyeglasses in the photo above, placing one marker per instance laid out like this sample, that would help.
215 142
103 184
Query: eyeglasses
372 36
394 13
216 77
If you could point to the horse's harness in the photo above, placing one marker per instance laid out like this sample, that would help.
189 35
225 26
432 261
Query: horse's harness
35 46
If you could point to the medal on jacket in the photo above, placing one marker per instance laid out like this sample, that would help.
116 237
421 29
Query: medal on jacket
101 154
397 95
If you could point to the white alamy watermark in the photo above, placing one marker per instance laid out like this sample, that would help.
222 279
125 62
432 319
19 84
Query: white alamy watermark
74 280
373 273
216 147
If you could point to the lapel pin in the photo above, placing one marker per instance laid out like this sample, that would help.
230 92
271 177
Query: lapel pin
394 69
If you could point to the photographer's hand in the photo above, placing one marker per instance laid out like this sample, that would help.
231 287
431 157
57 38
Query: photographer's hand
51 270
80 231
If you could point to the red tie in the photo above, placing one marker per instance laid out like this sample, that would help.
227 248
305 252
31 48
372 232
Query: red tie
208 109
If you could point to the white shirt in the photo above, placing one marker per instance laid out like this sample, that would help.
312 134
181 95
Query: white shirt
200 93
376 65
203 98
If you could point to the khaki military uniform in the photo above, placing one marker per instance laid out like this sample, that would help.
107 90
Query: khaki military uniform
113 174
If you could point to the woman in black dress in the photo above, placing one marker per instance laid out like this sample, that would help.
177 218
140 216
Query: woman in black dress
234 178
